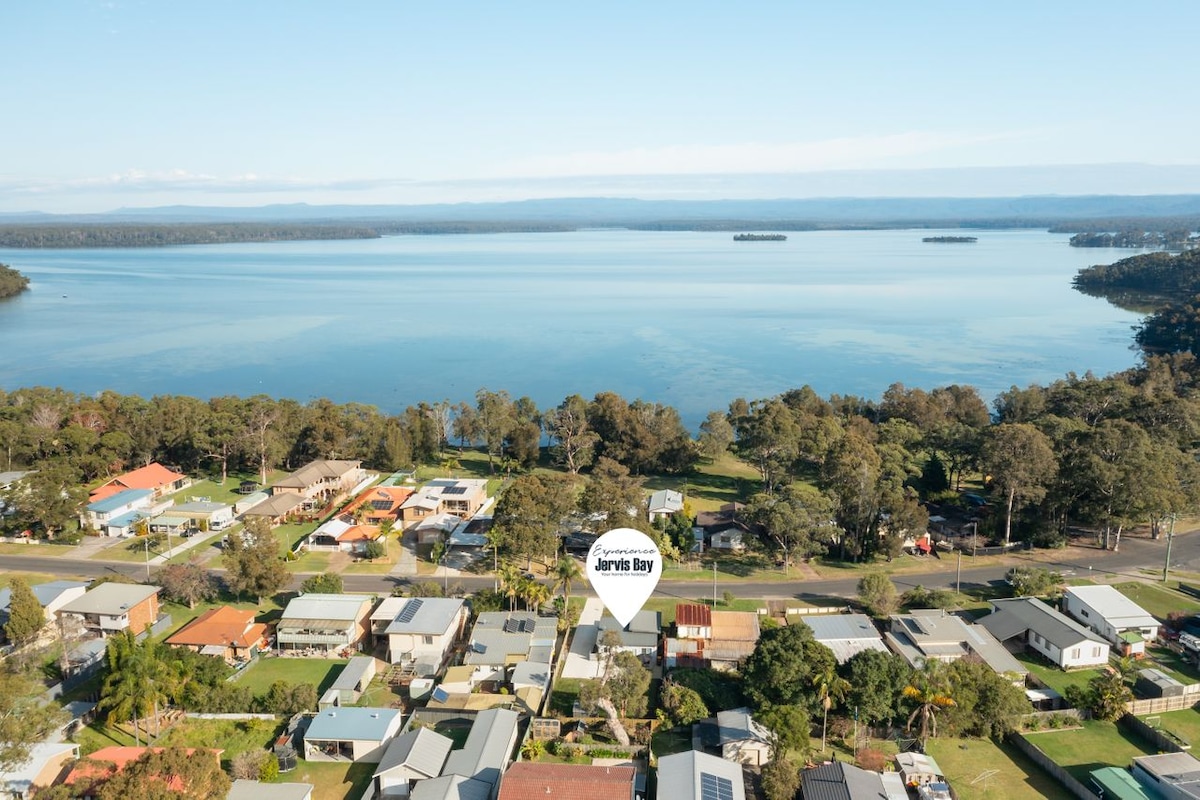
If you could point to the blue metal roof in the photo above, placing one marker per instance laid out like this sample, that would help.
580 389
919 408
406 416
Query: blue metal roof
348 723
119 499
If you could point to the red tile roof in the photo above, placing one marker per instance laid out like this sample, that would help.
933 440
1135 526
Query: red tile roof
693 614
89 772
394 496
527 779
225 626
151 476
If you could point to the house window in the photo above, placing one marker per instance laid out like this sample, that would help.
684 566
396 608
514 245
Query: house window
427 639
1037 638
1095 652
1083 611
1074 653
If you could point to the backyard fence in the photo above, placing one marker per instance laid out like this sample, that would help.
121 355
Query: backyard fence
1159 705
270 717
1066 779
1159 739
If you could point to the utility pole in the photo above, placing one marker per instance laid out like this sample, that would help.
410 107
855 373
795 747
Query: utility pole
146 542
1170 536
714 583
958 576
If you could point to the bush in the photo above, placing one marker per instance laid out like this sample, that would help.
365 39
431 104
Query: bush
872 760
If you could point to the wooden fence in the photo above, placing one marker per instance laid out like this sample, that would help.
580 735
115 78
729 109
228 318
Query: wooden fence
1161 742
1066 779
1160 705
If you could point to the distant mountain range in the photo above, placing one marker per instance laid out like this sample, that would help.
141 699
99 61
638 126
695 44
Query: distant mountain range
1032 211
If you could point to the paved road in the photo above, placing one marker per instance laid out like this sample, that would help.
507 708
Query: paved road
1079 561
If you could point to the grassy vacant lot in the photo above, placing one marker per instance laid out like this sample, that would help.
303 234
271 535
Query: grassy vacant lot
233 736
666 605
712 484
562 699
332 781
1052 676
291 533
1157 600
964 760
1173 664
1097 744
321 672
227 492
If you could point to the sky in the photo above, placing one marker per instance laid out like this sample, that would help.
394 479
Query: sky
161 102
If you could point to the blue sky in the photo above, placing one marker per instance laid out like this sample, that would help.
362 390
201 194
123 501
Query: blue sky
111 104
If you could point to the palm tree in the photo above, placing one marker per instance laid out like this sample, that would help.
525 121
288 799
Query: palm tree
450 464
929 688
566 573
831 688
510 579
536 593
137 682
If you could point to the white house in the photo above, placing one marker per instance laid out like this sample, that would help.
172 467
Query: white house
1106 611
351 733
116 514
1171 776
699 776
416 756
1042 629
52 596
664 503
424 630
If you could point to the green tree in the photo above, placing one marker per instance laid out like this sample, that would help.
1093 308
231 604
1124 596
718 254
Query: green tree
791 727
138 681
574 439
529 513
46 500
1029 581
495 418
1021 461
681 705
165 773
929 691
376 548
780 778
716 435
798 519
779 670
25 717
986 704
1109 695
877 592
877 682
566 574
188 583
769 438
253 563
831 688
613 494
26 617
325 583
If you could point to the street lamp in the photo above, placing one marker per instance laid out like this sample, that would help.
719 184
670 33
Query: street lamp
1170 536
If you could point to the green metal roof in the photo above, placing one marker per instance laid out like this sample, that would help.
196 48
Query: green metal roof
1118 784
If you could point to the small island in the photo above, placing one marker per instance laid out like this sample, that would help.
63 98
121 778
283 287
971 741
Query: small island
12 283
760 237
951 239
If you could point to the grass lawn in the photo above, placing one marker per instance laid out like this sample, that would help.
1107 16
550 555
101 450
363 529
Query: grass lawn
1157 600
320 672
310 562
227 492
562 699
963 760
666 605
712 484
380 695
292 532
667 742
35 548
332 781
98 736
207 548
1185 724
1097 744
1173 664
1052 676
233 736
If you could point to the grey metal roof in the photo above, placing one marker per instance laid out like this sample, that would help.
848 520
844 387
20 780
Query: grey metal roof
841 626
423 751
1015 616
498 635
1116 609
1179 771
342 607
352 723
429 615
642 630
451 787
257 790
531 673
932 633
354 672
842 781
487 750
111 599
200 506
737 725
44 592
682 773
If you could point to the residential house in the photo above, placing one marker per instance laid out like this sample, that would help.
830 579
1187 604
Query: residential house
1169 776
113 607
197 515
1116 783
350 683
841 781
452 787
526 780
664 503
276 509
500 640
321 482
344 534
351 733
1028 622
423 631
1119 620
723 529
324 622
378 504
52 596
42 768
415 756
734 635
731 540
931 633
227 632
117 514
845 635
918 769
460 497
639 637
159 480
700 776
488 749
243 789
693 621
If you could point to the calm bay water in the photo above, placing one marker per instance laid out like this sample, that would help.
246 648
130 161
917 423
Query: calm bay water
688 319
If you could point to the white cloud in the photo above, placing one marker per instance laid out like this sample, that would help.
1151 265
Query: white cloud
854 152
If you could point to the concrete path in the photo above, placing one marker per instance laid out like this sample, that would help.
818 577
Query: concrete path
406 559
578 664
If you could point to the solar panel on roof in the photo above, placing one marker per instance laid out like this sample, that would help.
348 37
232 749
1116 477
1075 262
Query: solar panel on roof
714 787
440 694
381 505
512 625
409 611
454 490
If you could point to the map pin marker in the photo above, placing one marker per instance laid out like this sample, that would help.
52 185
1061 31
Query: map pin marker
623 567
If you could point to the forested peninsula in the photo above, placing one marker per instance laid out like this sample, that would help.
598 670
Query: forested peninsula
12 283
1171 277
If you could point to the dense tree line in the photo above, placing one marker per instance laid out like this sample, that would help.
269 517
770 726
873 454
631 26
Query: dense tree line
1162 274
54 236
1171 239
12 282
